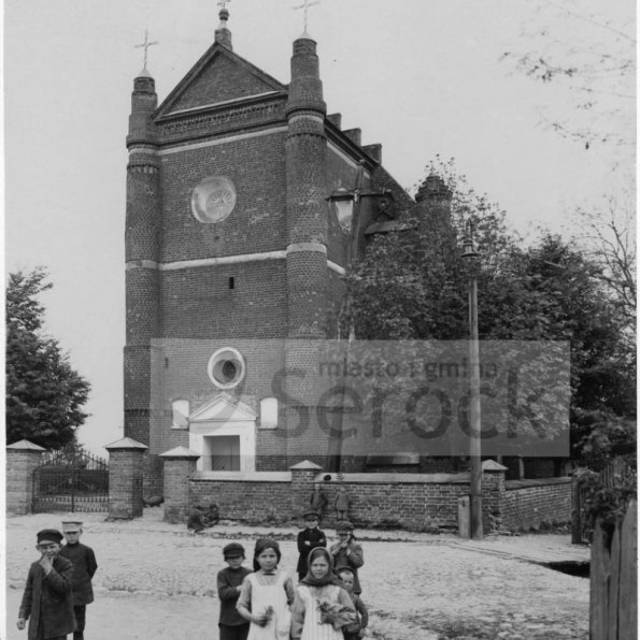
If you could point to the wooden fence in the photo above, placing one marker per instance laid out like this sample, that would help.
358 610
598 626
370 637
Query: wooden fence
618 473
613 613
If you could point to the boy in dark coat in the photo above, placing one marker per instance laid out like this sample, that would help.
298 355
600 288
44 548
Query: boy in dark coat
84 566
355 630
309 538
47 601
231 624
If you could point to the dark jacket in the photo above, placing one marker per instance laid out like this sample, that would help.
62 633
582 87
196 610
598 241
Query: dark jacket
228 580
84 566
316 538
362 613
351 558
47 600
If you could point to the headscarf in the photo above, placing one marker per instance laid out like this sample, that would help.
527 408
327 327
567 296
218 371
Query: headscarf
328 578
261 545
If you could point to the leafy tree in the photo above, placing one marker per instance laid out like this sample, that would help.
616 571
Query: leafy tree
44 394
413 285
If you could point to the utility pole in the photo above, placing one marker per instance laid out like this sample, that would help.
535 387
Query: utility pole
475 438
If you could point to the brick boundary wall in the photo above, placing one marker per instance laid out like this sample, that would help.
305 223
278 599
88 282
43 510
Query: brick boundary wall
416 502
534 504
412 501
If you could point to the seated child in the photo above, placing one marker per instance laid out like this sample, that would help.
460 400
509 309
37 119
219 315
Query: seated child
356 630
232 625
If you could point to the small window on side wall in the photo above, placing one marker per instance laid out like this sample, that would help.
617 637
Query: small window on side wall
269 413
180 414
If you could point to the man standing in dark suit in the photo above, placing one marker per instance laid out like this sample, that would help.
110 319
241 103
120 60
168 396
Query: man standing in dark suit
47 602
84 566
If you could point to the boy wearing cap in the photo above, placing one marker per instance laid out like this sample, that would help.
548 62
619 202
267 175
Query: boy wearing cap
232 625
84 566
309 538
347 553
47 602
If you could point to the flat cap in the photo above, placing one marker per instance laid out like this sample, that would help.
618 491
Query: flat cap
49 535
233 549
344 525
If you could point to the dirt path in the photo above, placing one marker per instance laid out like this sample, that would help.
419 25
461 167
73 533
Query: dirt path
155 581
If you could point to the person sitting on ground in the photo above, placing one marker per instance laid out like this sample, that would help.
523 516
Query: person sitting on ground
211 516
195 521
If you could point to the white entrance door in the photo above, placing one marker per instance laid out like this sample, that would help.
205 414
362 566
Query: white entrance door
223 432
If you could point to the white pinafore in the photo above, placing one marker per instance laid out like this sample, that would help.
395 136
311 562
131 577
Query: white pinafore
312 628
275 596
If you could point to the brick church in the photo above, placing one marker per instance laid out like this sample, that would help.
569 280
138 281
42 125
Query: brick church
235 254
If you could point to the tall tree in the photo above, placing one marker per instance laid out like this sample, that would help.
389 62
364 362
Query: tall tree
44 394
413 284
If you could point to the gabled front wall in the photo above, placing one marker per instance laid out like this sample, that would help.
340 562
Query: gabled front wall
255 164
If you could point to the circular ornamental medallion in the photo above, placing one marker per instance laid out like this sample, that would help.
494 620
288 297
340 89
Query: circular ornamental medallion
213 199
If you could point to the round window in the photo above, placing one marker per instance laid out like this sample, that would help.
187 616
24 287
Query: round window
226 368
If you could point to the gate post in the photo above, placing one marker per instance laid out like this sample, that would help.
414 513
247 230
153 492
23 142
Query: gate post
23 458
179 467
125 478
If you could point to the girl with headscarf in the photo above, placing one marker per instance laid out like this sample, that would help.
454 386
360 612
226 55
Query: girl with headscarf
266 594
321 607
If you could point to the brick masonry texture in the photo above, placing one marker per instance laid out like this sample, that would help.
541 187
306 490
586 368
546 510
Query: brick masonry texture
176 318
20 466
257 223
221 80
530 504
417 502
125 483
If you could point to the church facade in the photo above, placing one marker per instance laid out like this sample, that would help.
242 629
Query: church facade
235 255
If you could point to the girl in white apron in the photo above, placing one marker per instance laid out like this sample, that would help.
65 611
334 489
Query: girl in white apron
322 607
266 595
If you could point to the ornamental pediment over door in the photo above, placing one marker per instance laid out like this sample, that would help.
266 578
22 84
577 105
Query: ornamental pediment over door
219 76
223 408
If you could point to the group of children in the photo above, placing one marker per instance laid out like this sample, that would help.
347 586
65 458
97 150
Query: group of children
264 604
58 587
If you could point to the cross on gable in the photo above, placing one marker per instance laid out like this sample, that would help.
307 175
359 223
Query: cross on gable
146 44
223 4
305 6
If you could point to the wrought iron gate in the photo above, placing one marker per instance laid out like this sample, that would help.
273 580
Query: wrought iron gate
71 479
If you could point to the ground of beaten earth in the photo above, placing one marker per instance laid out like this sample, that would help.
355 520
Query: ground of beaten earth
156 581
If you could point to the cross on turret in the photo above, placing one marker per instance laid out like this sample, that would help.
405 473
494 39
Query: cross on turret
305 6
146 44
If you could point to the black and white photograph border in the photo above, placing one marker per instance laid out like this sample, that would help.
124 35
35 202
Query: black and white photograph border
376 262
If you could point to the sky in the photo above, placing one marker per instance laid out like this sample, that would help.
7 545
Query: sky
421 78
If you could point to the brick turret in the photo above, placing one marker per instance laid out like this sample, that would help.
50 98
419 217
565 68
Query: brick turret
141 255
307 213
306 159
